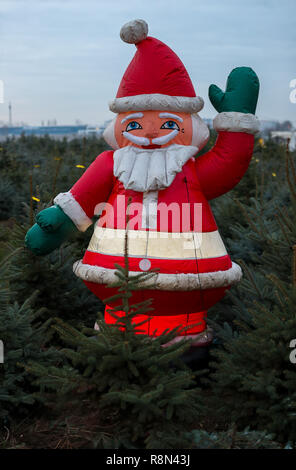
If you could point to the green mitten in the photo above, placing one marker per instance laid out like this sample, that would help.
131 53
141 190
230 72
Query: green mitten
52 229
241 95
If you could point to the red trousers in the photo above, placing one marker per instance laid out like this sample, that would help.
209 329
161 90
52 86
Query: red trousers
157 324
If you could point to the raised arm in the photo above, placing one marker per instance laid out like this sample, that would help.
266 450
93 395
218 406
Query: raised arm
220 169
74 209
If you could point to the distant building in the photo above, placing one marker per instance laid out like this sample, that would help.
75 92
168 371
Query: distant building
90 131
103 126
267 126
53 130
10 114
56 132
284 136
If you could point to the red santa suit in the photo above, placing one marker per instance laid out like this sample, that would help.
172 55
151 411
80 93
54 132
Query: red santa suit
193 267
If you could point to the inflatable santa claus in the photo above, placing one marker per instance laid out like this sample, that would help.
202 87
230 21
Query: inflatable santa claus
154 175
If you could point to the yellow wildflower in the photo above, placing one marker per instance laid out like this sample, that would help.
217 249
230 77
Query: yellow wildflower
80 166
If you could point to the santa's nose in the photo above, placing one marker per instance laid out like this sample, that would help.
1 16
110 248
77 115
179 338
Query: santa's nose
151 135
151 132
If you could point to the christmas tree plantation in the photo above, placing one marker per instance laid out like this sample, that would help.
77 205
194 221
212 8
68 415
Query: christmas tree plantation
115 388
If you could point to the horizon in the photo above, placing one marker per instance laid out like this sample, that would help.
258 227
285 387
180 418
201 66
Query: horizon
69 124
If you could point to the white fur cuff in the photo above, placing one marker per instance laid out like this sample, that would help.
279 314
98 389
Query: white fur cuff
157 101
236 122
73 210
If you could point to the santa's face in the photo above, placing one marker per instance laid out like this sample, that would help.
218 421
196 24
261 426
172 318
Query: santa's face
153 129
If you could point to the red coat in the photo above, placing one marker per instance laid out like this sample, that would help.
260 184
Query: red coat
193 273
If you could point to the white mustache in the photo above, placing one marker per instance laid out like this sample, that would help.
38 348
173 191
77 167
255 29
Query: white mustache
165 138
144 141
136 140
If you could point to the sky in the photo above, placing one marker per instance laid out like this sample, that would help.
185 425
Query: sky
64 59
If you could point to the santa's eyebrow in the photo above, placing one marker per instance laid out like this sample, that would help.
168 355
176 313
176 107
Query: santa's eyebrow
132 116
169 115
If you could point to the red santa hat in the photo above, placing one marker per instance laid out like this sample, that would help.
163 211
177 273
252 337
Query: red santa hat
155 79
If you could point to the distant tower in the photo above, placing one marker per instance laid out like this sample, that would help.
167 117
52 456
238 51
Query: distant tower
10 115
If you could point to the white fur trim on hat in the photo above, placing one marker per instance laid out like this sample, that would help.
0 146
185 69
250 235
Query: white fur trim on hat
134 31
73 210
161 281
236 122
155 102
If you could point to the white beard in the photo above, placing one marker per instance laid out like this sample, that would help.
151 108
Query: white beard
150 169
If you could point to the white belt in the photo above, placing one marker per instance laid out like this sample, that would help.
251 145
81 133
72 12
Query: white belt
152 244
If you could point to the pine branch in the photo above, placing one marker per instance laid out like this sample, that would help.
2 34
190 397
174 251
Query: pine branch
294 267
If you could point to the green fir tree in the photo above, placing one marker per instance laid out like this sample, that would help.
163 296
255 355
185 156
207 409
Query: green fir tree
139 384
23 338
255 382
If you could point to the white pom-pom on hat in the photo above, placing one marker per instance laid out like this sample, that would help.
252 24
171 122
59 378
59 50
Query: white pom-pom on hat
134 31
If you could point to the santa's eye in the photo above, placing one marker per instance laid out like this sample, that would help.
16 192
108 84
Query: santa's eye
170 125
132 126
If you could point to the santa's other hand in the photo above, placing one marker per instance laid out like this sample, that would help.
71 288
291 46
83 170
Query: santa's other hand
241 94
42 242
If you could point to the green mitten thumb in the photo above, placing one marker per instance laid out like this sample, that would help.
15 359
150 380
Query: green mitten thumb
52 218
216 96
